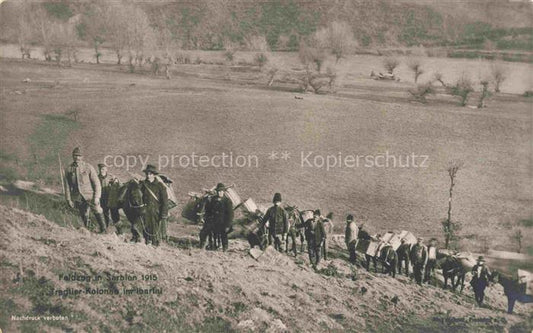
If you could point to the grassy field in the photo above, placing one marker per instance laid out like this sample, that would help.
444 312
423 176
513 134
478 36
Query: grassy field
211 109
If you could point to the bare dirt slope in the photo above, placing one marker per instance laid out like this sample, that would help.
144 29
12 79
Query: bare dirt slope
213 291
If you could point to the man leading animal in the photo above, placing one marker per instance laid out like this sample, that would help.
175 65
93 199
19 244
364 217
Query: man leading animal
83 190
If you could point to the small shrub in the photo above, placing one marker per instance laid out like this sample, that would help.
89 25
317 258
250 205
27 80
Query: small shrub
331 270
484 93
528 93
390 63
422 90
439 78
261 59
415 65
228 55
462 88
499 75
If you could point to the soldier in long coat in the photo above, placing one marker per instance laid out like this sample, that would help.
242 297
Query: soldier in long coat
155 212
278 222
350 237
314 234
480 279
433 252
83 190
418 258
218 217
110 185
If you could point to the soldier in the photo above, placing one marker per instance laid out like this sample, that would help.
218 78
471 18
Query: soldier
110 187
83 189
350 237
328 227
314 234
403 253
156 210
432 260
278 223
218 217
418 258
480 279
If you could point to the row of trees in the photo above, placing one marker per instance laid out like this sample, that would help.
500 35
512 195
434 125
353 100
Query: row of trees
124 28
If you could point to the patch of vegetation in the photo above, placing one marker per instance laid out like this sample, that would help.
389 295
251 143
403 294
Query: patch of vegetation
38 290
331 270
236 309
52 208
215 325
46 143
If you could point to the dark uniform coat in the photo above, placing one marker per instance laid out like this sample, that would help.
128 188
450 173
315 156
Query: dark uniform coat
277 220
314 231
219 212
156 200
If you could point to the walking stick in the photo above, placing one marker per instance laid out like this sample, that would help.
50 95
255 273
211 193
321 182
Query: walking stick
61 174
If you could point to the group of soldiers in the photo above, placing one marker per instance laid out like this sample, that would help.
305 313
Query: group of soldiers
102 193
422 258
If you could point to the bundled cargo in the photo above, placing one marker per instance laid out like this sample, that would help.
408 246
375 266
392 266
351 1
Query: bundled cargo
387 237
231 194
395 241
373 248
369 247
172 202
527 278
250 206
307 215
408 236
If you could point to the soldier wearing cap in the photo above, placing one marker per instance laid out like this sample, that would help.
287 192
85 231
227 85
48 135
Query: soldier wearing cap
218 217
83 189
418 256
278 223
480 279
350 237
109 199
432 260
403 252
314 234
156 210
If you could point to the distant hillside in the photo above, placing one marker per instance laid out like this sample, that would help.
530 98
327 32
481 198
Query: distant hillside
206 24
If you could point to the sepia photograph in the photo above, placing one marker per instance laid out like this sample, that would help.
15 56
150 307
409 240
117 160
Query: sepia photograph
266 166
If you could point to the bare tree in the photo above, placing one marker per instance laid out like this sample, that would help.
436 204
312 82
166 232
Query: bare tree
64 40
415 65
230 47
390 64
517 236
41 23
312 55
139 35
24 29
117 30
422 90
449 226
440 78
95 26
462 89
338 38
499 75
484 93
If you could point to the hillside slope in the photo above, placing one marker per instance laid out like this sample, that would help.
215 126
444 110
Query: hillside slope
211 291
